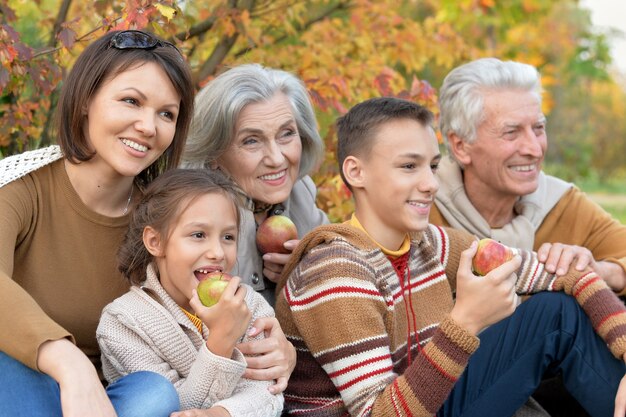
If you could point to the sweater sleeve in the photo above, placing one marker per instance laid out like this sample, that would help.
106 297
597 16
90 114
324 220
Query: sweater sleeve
606 312
332 305
576 220
24 326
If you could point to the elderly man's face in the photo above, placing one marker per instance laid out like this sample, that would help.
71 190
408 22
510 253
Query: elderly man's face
505 160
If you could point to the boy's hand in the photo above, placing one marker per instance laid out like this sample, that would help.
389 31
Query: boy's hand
273 263
227 320
483 301
272 358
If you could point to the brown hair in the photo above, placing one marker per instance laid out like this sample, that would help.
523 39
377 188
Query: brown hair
164 200
100 62
357 129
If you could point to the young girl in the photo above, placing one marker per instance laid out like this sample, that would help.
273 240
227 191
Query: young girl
184 227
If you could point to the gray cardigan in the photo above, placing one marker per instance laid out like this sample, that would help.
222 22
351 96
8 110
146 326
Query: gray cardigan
301 209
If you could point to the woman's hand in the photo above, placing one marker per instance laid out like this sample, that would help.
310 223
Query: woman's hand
82 393
482 301
274 263
272 358
207 412
227 320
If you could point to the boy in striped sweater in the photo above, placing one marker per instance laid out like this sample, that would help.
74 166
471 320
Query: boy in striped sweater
388 318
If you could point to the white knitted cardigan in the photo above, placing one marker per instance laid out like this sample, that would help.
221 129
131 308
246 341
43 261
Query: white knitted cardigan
16 166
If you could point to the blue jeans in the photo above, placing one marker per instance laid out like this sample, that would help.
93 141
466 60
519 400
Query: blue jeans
28 393
548 334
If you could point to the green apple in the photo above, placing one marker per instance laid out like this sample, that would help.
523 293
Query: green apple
212 286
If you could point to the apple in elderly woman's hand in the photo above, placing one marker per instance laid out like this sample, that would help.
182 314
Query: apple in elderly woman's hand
274 232
490 254
212 286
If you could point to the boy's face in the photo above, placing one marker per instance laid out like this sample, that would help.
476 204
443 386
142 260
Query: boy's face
203 239
398 181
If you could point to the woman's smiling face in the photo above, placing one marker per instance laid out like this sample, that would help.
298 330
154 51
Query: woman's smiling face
264 156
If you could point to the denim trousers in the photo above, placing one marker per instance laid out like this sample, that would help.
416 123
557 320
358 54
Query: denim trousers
546 335
28 393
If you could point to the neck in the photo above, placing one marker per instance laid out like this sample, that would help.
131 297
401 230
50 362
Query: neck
107 196
382 234
497 209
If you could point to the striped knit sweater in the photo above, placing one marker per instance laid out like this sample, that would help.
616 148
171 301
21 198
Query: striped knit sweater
351 319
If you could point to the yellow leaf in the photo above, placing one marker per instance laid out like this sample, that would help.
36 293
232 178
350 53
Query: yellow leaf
167 11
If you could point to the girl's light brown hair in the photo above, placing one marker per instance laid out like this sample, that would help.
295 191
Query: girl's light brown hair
164 199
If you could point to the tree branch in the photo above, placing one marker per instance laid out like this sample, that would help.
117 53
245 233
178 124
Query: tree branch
61 17
342 5
223 46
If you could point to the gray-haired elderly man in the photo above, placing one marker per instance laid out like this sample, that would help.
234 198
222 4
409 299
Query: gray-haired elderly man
493 185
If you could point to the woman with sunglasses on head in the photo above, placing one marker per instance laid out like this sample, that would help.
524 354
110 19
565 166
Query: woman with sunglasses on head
122 117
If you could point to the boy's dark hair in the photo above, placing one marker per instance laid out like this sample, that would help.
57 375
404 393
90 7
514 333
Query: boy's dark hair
100 62
164 199
357 129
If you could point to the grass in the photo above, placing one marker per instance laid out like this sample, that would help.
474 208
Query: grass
611 195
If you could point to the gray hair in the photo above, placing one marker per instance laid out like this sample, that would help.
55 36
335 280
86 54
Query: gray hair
461 95
219 103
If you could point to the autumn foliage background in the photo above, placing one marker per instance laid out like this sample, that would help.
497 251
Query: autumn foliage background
345 51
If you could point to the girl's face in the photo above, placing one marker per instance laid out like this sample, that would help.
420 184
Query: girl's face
131 120
264 156
201 240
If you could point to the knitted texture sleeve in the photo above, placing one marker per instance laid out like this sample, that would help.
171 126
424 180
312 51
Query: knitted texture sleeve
337 309
594 229
606 312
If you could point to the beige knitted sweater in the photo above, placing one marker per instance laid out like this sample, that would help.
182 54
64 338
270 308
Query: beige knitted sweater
145 330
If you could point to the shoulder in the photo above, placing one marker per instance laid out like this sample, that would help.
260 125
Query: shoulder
333 251
16 166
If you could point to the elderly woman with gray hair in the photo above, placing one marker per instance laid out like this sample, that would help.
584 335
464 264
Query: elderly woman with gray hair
257 125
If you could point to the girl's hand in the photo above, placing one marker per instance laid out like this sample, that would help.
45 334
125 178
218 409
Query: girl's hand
272 358
227 320
82 393
274 263
482 301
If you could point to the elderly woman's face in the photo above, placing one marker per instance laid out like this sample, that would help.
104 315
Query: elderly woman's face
264 156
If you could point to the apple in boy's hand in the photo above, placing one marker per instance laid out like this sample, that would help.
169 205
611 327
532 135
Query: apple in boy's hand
274 232
490 255
211 287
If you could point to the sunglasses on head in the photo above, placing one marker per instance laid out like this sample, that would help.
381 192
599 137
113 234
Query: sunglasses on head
136 39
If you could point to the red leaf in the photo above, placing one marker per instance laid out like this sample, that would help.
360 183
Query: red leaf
67 37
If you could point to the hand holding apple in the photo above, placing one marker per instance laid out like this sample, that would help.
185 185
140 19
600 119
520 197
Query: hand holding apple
274 232
490 254
212 286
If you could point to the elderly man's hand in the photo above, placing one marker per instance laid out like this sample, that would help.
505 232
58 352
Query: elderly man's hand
559 258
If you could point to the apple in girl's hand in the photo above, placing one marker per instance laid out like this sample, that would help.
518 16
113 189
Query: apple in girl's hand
274 232
212 286
490 255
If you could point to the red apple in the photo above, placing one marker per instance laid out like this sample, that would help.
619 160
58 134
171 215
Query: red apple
212 286
489 255
274 232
